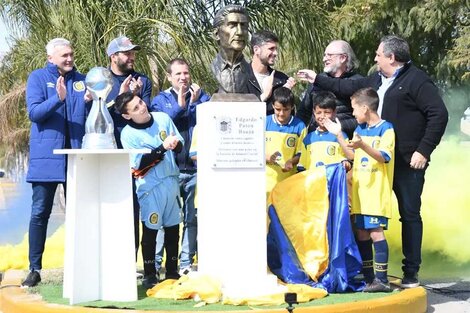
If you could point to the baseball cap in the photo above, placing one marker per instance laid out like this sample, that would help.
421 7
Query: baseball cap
120 44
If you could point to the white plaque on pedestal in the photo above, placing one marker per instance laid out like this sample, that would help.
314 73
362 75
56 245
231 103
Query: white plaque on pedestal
232 197
237 141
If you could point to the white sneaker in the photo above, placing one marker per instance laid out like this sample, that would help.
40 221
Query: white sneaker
185 271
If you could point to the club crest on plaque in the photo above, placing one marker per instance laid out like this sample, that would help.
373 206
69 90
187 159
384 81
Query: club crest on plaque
224 125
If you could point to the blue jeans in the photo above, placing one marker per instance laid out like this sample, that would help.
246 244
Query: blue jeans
43 199
187 182
189 242
408 186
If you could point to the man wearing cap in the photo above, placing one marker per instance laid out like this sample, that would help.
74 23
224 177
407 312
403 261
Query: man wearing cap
121 52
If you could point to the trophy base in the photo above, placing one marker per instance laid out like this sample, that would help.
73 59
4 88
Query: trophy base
99 141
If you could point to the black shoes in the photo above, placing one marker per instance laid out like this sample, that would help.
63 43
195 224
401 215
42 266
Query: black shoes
409 281
149 281
377 286
32 279
172 275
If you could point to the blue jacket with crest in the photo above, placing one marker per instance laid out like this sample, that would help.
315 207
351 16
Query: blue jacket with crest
55 124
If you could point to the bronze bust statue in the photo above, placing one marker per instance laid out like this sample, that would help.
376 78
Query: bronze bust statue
231 32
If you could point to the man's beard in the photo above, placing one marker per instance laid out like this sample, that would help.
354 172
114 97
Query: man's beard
332 68
265 61
123 67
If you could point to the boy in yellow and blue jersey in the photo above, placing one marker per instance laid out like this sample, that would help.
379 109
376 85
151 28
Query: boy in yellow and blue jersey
284 135
321 147
373 144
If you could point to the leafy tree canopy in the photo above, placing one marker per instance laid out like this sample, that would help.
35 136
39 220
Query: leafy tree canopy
437 31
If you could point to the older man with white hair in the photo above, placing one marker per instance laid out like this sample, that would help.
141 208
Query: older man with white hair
339 61
55 98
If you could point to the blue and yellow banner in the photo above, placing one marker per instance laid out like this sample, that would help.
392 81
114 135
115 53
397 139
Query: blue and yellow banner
310 238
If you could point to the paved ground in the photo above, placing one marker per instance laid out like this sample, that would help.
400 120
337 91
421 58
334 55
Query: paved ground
448 295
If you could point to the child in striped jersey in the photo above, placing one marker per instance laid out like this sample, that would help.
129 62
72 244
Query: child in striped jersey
321 147
284 135
373 144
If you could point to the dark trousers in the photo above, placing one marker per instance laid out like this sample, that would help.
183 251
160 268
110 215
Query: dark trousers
43 199
408 186
149 237
171 241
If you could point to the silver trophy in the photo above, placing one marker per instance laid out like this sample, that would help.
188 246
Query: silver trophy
99 126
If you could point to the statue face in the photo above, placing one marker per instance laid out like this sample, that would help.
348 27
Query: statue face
233 33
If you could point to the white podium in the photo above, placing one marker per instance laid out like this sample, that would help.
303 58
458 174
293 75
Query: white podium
99 234
232 197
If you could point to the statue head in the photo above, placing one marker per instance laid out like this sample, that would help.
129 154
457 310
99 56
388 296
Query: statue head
231 29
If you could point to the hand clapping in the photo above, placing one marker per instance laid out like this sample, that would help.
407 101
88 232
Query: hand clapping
356 142
332 127
131 84
170 142
61 89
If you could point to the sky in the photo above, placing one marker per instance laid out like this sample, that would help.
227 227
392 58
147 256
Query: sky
3 35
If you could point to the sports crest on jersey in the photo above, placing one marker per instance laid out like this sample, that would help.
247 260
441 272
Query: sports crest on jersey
153 218
162 134
79 86
330 150
290 142
375 144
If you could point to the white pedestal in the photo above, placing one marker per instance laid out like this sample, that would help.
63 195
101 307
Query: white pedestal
232 197
99 237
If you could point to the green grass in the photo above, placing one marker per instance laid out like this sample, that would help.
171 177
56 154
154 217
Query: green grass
52 293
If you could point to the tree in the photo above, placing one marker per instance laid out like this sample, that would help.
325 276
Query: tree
164 28
432 27
438 33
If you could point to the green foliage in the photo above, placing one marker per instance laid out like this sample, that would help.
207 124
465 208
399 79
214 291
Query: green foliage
438 32
432 27
459 55
163 28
